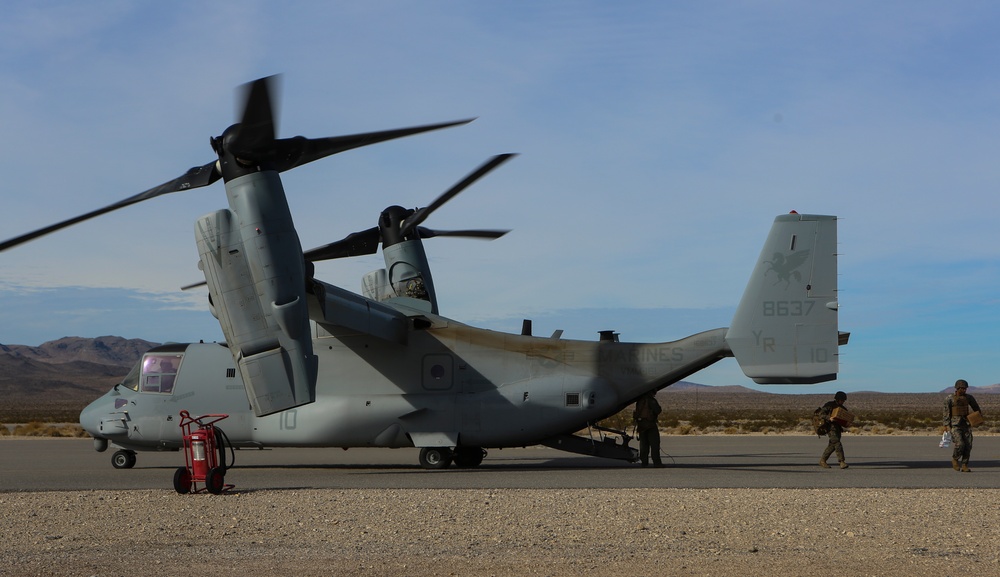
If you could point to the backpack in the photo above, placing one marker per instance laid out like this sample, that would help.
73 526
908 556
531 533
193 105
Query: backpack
819 422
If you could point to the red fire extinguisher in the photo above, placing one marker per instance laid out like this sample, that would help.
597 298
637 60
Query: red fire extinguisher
199 463
204 457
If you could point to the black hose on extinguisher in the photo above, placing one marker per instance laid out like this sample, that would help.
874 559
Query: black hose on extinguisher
221 441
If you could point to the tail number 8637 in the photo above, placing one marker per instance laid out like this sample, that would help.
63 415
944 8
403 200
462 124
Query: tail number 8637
787 308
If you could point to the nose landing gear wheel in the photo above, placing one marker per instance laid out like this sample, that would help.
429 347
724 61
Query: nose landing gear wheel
123 459
435 457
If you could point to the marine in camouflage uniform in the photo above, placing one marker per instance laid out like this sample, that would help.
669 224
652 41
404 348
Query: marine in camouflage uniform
647 411
836 429
956 409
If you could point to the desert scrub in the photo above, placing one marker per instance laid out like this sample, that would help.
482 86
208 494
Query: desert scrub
757 419
906 420
38 429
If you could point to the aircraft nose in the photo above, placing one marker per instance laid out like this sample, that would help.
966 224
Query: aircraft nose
91 419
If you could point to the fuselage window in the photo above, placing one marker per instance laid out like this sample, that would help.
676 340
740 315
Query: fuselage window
159 373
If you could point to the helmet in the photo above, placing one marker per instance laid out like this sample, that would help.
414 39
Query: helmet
840 396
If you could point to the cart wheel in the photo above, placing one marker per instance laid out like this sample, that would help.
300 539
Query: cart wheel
215 481
123 459
182 480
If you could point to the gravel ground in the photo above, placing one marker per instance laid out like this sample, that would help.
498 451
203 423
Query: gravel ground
747 532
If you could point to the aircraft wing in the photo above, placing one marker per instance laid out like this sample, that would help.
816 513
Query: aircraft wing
341 312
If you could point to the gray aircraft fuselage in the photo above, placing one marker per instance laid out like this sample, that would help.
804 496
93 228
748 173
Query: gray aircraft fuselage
449 385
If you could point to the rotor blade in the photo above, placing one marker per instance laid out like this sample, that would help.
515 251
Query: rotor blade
188 287
293 152
483 234
354 244
422 213
256 135
195 178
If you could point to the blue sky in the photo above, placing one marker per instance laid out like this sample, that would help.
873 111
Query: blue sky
657 142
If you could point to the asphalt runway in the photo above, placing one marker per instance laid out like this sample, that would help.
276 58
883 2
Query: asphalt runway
770 461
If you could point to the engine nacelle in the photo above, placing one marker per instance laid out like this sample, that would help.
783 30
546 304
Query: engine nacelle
406 274
255 273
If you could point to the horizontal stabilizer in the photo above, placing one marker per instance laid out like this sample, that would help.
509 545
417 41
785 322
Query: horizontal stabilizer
785 328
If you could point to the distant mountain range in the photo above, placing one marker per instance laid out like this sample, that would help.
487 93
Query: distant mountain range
64 375
680 386
115 351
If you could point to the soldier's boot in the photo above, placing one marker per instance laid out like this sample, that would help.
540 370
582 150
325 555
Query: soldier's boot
954 463
965 468
844 465
826 455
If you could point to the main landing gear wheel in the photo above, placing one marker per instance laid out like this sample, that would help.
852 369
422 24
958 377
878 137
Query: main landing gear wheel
435 457
123 459
469 457
182 480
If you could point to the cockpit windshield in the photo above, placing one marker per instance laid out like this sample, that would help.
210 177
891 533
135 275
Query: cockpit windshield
159 372
131 380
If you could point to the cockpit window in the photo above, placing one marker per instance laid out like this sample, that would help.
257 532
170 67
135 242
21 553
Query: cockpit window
159 372
131 380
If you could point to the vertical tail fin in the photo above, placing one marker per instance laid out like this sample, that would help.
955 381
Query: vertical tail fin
785 329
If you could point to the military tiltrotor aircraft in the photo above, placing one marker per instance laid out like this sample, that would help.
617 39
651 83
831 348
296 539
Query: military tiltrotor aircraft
310 364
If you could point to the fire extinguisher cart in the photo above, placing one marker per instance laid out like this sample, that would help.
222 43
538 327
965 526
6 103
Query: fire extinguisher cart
203 456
